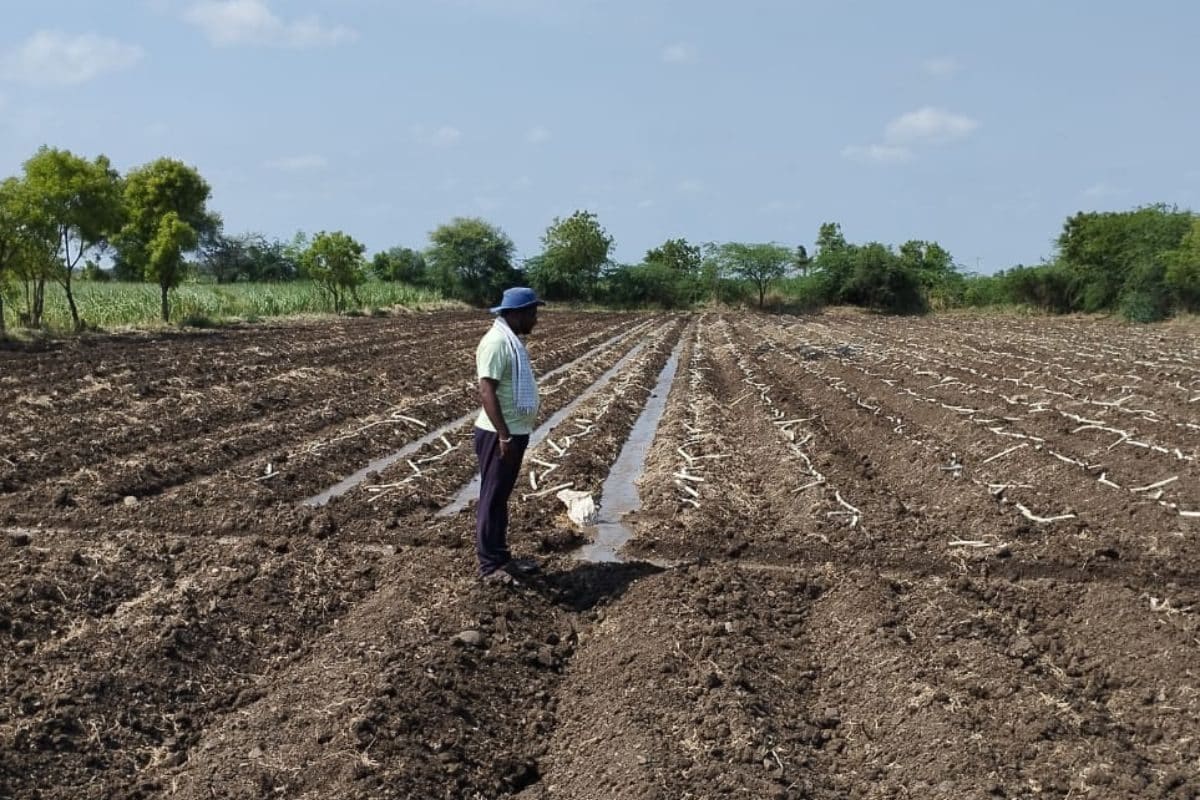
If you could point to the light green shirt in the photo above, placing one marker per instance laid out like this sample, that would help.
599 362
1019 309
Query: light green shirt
494 360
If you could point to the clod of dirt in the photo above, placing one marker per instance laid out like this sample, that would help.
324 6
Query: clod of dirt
830 719
18 539
63 499
470 638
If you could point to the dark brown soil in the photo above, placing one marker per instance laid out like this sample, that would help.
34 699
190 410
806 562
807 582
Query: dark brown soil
860 604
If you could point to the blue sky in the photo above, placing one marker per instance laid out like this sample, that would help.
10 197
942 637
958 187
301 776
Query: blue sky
979 125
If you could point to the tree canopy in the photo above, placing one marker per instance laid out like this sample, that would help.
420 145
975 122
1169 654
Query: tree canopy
79 201
335 261
676 255
401 264
470 259
152 191
575 251
760 264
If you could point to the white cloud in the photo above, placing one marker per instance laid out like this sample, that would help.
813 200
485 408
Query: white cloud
297 163
691 186
923 127
929 125
53 58
523 182
645 203
880 153
942 67
251 22
680 53
537 134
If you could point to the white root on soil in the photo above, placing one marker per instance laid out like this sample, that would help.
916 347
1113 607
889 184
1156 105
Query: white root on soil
1029 515
1159 485
1066 459
545 492
854 512
740 398
1003 453
998 489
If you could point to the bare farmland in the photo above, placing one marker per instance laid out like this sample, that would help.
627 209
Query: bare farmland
894 558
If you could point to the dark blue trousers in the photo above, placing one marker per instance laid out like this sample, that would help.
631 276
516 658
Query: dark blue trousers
497 478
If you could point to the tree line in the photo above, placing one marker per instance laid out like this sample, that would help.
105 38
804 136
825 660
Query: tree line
65 214
1143 264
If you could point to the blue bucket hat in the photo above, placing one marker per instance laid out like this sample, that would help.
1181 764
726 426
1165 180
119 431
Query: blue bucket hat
517 297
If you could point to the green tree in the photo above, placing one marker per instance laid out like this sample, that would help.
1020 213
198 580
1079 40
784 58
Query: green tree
28 250
801 261
1112 254
80 200
165 266
224 257
650 284
575 251
470 259
712 270
1183 270
153 191
879 279
760 264
247 257
830 238
940 281
676 255
1048 287
400 264
335 261
833 263
12 235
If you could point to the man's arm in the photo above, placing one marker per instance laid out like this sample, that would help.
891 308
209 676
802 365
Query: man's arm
491 407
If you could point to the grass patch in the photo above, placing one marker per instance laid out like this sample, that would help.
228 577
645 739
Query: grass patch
110 305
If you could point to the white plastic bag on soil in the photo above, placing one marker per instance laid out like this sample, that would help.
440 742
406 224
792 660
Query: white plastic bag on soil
581 508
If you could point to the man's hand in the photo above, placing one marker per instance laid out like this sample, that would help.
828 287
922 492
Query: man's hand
491 407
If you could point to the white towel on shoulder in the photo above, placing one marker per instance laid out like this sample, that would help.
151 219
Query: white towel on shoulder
524 384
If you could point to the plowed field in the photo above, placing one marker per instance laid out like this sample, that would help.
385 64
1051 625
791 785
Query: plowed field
876 558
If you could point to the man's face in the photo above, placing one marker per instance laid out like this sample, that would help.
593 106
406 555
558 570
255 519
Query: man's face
525 319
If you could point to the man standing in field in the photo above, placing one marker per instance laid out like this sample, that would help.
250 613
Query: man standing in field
509 395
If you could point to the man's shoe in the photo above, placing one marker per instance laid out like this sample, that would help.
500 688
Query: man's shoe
500 577
524 566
